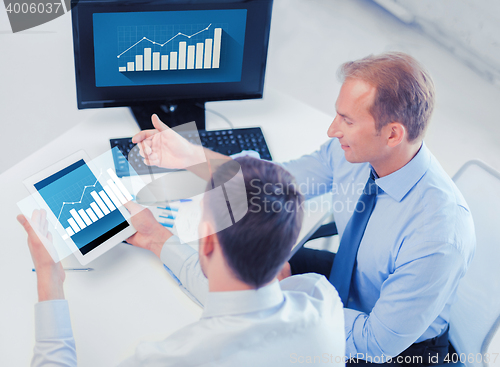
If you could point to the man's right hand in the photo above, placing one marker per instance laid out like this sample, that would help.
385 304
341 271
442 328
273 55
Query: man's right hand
163 147
150 234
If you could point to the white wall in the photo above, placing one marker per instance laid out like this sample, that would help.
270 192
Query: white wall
311 38
468 28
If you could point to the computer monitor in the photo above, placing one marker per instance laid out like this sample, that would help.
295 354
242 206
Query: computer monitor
169 57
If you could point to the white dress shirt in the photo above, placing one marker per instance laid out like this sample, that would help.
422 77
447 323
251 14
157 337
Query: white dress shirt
297 320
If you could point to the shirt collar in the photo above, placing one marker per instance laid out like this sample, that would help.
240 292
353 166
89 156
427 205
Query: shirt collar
398 183
241 302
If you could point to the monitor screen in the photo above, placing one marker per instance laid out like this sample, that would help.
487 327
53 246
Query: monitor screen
134 52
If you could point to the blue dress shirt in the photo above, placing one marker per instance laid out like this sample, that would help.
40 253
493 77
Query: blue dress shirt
416 247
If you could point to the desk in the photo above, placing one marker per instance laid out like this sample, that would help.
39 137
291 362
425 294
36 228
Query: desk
130 298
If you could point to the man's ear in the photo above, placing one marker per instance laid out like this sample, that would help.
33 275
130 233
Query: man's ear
207 242
396 133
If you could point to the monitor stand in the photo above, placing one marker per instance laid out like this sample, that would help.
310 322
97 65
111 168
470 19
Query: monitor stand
171 114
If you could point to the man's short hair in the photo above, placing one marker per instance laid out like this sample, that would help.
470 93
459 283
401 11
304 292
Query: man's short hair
257 245
405 91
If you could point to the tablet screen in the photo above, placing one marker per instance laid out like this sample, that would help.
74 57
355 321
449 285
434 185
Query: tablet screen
86 210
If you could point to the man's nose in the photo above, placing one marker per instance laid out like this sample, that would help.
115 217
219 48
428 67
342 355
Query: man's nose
333 130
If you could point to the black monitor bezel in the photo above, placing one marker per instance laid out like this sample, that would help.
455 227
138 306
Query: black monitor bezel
254 58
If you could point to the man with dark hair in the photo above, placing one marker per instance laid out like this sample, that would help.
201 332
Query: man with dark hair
407 236
249 318
251 257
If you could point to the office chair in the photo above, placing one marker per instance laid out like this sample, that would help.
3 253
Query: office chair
326 230
475 314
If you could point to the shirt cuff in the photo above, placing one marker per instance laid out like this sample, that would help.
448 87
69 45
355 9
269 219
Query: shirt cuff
174 254
52 320
245 153
355 322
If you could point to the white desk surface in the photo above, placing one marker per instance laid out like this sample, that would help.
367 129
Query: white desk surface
130 297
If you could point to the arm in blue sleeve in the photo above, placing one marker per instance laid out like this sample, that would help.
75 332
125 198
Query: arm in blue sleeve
314 172
182 260
54 342
411 298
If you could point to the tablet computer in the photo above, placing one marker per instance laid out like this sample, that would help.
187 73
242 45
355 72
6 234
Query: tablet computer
85 205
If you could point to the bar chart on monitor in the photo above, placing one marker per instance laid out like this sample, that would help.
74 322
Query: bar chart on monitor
170 48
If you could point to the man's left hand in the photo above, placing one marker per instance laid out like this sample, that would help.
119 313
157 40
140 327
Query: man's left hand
150 234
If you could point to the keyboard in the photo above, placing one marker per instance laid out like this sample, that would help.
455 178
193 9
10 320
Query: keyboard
226 142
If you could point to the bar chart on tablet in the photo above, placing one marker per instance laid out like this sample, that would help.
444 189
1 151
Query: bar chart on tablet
85 208
112 196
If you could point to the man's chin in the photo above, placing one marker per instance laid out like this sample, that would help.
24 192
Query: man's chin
349 158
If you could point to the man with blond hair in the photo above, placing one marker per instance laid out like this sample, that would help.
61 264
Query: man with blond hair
417 240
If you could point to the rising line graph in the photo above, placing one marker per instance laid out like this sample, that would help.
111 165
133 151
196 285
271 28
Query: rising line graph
81 198
163 44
